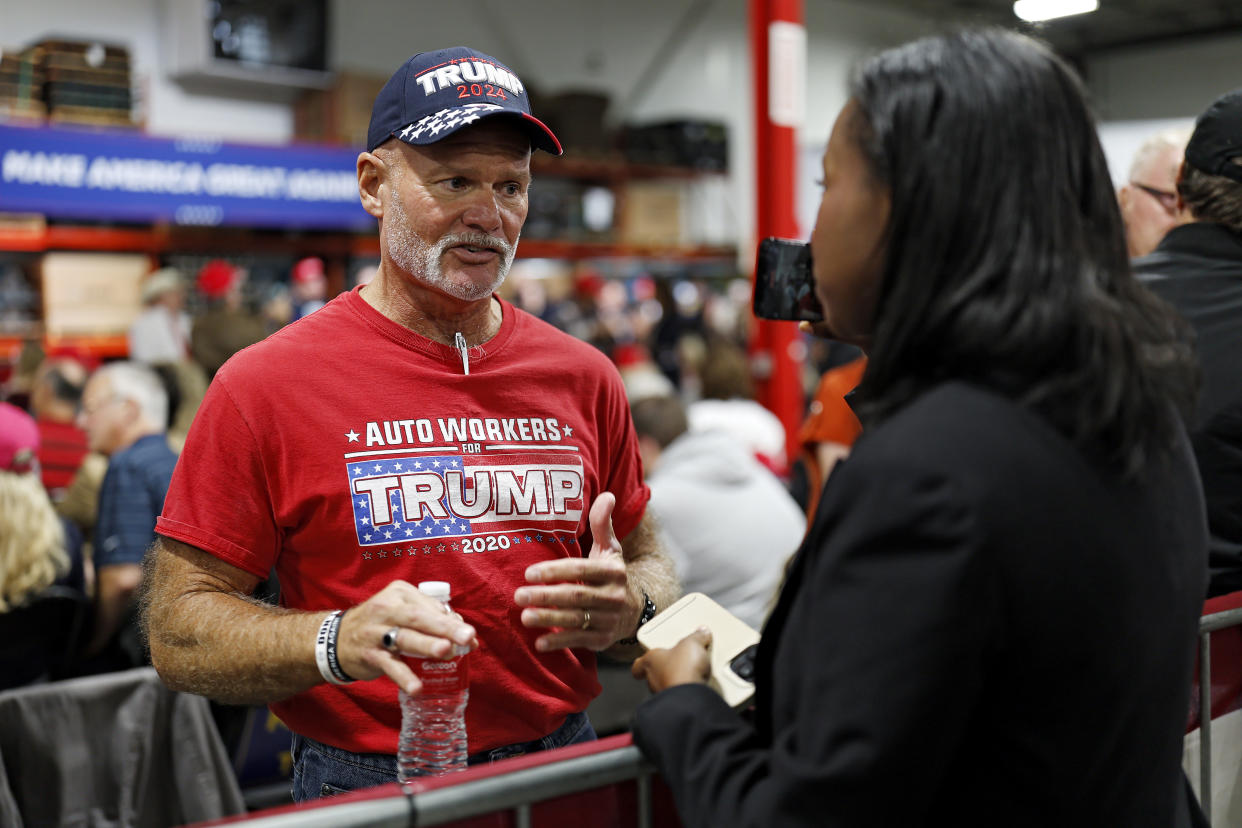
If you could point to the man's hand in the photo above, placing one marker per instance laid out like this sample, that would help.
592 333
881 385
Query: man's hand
686 663
585 601
208 638
425 630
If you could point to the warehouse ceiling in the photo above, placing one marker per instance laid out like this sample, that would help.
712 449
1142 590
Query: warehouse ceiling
1117 23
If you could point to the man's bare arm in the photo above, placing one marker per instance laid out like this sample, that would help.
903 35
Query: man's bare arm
208 637
648 569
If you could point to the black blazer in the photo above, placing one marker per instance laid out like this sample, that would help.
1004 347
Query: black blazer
981 628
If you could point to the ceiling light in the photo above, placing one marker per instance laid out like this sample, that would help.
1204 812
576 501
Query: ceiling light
1034 11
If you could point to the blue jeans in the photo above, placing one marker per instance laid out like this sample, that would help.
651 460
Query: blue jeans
323 770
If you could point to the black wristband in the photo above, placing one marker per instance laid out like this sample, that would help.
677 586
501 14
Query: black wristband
649 611
334 664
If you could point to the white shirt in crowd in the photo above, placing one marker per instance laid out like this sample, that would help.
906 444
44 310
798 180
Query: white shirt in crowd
726 521
159 335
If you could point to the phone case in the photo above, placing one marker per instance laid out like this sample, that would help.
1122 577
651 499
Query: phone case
784 284
731 637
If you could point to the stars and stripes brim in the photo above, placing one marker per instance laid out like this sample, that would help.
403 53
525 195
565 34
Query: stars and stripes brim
439 125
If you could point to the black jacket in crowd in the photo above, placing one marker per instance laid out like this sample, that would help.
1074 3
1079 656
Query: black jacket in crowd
1198 269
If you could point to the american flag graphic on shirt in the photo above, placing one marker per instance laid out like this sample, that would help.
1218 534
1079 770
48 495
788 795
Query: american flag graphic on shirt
404 499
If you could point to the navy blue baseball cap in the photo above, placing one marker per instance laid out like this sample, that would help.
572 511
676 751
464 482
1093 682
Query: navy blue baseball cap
434 94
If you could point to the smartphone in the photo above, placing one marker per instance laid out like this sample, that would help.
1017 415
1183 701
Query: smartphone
733 642
784 283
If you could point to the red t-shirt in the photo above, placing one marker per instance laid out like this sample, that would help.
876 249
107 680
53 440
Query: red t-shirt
61 449
348 452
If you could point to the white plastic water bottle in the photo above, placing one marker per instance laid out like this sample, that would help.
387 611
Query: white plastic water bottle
433 723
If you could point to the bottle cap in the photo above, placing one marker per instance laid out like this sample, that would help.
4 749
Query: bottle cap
435 589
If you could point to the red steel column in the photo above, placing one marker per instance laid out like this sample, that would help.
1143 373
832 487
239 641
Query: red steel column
778 54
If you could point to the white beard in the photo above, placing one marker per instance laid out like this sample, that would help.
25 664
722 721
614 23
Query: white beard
413 254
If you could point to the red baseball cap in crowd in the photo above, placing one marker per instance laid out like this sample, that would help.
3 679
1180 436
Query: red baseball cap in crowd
307 270
216 278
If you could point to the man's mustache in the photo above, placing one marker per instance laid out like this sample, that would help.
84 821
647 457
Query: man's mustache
501 246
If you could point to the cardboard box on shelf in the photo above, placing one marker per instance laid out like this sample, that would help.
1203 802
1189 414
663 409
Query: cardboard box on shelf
699 145
340 114
85 81
91 116
651 213
21 70
23 112
94 294
87 55
21 86
577 119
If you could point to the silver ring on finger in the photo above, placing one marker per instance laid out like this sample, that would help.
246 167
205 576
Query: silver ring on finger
390 640
586 619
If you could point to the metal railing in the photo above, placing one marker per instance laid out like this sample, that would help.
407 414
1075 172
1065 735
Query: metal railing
1209 624
515 791
518 790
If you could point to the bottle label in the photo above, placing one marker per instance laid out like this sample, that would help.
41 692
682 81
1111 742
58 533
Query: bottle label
440 677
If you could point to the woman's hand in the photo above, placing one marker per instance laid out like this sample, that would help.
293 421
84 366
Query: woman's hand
819 329
686 663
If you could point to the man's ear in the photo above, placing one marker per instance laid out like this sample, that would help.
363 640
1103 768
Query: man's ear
1182 210
131 406
372 172
1124 195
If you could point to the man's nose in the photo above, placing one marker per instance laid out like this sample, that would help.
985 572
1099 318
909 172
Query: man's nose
483 212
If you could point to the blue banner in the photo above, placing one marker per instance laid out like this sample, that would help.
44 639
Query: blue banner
110 175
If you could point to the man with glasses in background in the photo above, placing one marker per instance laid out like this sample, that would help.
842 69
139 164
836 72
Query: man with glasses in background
1149 200
124 413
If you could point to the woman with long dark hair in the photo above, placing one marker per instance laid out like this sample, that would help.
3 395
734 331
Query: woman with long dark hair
992 618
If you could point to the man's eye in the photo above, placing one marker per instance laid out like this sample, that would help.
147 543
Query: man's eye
456 183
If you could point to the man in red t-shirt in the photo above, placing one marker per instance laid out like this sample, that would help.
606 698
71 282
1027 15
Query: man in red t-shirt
416 428
54 397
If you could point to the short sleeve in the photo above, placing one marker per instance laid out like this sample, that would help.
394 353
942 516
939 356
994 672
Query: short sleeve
219 500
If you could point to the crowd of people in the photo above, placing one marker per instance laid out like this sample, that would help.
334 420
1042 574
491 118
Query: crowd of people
1028 452
104 437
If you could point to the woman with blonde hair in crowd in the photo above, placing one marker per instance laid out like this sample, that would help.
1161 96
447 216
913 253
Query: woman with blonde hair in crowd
32 553
32 540
37 548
